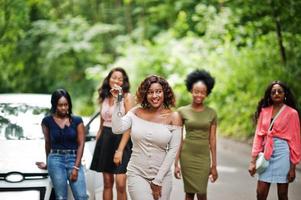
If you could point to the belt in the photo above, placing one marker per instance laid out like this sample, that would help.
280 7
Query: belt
63 151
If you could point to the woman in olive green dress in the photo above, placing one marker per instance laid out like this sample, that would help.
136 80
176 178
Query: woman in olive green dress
197 154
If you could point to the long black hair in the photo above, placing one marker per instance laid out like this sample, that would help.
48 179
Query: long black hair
266 101
104 90
56 95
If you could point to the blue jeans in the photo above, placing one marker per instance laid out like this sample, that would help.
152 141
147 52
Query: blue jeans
60 167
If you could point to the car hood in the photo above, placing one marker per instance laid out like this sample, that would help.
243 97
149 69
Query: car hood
21 155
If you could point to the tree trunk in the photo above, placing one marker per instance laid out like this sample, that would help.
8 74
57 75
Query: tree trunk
128 18
279 33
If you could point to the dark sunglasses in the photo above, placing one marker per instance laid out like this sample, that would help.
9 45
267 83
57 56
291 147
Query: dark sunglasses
279 91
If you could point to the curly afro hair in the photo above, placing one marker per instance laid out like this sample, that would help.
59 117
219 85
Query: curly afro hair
141 94
200 75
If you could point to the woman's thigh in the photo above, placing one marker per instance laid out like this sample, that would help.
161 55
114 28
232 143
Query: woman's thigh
139 187
78 187
58 174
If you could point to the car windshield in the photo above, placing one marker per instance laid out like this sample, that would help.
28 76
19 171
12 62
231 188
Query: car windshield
21 121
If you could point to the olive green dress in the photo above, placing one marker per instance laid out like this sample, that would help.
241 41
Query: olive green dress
195 154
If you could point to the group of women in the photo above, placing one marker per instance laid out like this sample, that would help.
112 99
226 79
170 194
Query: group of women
137 143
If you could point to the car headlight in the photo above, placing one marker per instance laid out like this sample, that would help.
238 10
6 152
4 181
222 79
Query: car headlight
14 177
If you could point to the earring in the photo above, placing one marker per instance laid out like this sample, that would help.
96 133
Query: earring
284 98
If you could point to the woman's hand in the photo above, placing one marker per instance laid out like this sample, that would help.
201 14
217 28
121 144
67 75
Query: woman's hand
73 175
252 168
291 174
41 165
177 172
156 190
115 90
118 158
213 174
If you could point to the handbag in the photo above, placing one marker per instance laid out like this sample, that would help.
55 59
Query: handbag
261 163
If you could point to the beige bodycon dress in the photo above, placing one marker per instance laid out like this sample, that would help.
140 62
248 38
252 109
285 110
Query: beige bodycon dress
154 149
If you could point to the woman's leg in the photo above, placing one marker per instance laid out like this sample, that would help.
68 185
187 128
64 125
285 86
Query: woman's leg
202 196
282 190
189 196
262 190
108 182
58 175
78 187
139 188
121 186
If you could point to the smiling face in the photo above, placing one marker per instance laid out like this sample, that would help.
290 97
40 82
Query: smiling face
62 107
199 92
155 95
277 94
116 79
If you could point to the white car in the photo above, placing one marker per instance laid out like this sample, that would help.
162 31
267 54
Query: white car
22 144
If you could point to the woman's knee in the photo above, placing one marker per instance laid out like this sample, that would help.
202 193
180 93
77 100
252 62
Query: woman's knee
189 196
108 180
202 196
121 188
121 183
261 194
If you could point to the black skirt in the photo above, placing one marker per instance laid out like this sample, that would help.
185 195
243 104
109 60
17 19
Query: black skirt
104 152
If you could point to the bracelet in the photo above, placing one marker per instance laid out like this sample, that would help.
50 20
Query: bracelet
118 151
74 167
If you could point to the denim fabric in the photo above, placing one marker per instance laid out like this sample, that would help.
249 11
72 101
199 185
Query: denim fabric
279 166
60 167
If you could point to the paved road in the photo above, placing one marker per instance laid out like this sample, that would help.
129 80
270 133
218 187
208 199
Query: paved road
234 182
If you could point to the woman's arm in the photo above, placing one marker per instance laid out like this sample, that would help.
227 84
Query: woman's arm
100 128
212 146
257 145
294 145
47 140
80 150
177 169
258 137
128 104
45 130
174 145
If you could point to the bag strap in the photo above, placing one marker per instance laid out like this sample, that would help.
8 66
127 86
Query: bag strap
278 113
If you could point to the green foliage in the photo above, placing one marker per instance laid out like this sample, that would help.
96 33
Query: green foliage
73 44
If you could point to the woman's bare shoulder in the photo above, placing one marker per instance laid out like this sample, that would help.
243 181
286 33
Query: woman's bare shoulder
136 109
176 119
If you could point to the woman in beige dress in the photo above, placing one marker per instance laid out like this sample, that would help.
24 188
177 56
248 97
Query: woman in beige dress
156 136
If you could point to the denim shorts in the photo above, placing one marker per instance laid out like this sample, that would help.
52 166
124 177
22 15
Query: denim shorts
60 167
279 166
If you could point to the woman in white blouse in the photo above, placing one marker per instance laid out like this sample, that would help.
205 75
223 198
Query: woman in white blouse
156 135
